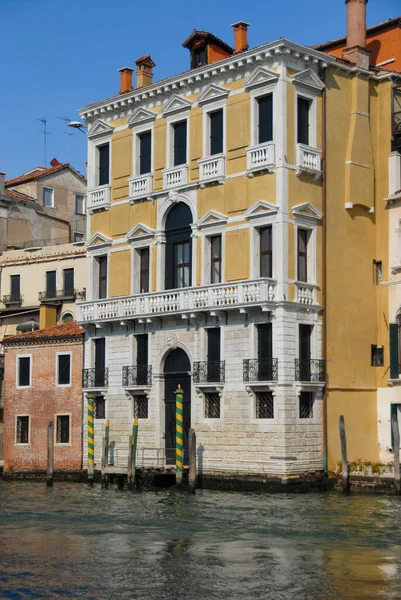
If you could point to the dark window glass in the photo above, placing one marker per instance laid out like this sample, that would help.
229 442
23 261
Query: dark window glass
144 269
100 362
306 405
377 356
178 259
266 251
180 143
68 281
264 405
64 369
51 284
24 371
265 119
142 359
15 284
265 351
22 430
303 255
303 120
140 406
215 259
212 405
305 333
199 57
379 272
100 407
216 132
102 263
213 354
63 429
145 152
104 164
182 265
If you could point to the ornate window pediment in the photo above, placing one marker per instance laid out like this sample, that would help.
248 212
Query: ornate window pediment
211 93
211 219
140 116
259 77
307 210
308 79
98 241
99 129
260 210
174 105
140 233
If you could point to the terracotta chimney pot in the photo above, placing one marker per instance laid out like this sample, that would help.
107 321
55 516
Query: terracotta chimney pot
144 73
240 36
125 79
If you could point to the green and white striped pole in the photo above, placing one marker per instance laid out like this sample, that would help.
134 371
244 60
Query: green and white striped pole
91 437
179 434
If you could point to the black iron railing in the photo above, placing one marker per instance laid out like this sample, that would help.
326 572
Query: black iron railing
137 375
264 369
12 299
95 378
310 369
58 294
209 371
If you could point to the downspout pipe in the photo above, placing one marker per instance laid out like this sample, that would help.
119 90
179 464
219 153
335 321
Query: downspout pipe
324 269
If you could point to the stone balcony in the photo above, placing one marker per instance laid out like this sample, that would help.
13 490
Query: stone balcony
306 292
183 302
175 176
309 160
140 188
212 169
99 198
260 158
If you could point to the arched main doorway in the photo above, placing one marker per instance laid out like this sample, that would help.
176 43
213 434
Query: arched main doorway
176 371
178 265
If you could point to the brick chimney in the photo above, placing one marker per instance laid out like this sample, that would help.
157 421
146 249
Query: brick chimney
240 36
356 50
125 79
144 73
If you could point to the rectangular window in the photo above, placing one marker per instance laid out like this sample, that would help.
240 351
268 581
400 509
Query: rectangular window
198 57
144 269
100 362
15 287
182 265
22 430
78 237
302 250
264 405
145 152
212 405
104 164
180 143
51 284
140 406
216 132
395 343
305 334
79 204
68 281
265 352
63 369
63 429
24 371
102 280
48 197
100 407
142 348
306 405
303 109
378 271
265 118
266 251
377 356
213 354
215 259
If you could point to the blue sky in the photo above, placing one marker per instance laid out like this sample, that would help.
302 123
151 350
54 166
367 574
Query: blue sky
56 56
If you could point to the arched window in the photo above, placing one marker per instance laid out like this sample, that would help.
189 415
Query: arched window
178 272
67 317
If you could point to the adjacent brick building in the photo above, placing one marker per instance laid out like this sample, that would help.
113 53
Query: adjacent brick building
43 371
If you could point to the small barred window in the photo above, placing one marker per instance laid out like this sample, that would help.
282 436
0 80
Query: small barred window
264 405
306 405
63 429
140 406
212 406
22 430
100 407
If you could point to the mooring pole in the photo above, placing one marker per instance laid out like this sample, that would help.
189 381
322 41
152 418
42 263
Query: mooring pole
50 454
134 446
91 437
396 449
129 468
106 438
192 459
343 440
179 434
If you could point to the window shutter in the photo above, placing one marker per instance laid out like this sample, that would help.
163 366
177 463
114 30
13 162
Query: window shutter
394 369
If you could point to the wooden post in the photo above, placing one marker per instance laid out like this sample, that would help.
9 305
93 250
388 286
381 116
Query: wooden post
50 453
343 440
91 437
192 459
129 469
106 435
103 473
396 449
133 447
179 434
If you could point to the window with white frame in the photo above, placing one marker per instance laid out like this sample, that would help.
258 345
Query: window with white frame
63 429
78 237
48 197
79 204
303 254
216 258
144 153
264 118
214 132
305 116
63 369
22 429
103 164
266 251
24 371
179 142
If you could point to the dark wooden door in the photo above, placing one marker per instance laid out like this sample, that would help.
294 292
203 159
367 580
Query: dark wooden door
265 352
176 372
304 352
100 362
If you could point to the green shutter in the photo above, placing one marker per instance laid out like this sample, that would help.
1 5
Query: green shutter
393 411
394 351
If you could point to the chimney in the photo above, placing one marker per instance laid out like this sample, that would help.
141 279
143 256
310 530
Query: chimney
144 74
2 180
240 36
356 50
125 79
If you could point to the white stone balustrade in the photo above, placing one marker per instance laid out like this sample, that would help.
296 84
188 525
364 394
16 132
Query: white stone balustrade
223 295
212 168
260 158
309 160
175 176
306 293
140 187
99 198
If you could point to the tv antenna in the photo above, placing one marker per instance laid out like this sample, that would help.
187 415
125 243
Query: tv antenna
69 134
45 134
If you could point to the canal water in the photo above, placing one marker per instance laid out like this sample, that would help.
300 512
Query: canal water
75 541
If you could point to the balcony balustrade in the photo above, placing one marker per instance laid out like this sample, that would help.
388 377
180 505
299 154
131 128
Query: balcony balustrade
175 176
140 187
260 369
260 158
54 295
310 369
209 372
212 169
95 378
137 375
99 198
15 299
306 293
309 160
234 295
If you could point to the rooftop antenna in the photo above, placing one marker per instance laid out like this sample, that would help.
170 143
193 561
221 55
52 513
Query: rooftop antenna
69 133
45 134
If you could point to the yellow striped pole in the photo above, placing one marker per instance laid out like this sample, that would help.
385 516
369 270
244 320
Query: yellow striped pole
91 437
133 447
179 434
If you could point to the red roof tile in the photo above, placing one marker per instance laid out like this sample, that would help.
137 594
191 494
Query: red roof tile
63 331
19 196
208 37
342 40
39 172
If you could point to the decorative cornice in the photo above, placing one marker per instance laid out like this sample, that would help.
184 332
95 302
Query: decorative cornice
308 79
211 219
211 93
260 76
307 210
103 241
140 232
260 210
174 105
140 116
99 129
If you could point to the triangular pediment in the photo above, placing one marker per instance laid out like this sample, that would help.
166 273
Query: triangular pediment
98 240
140 232
99 128
260 210
309 79
211 93
141 116
307 210
260 76
211 218
175 104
